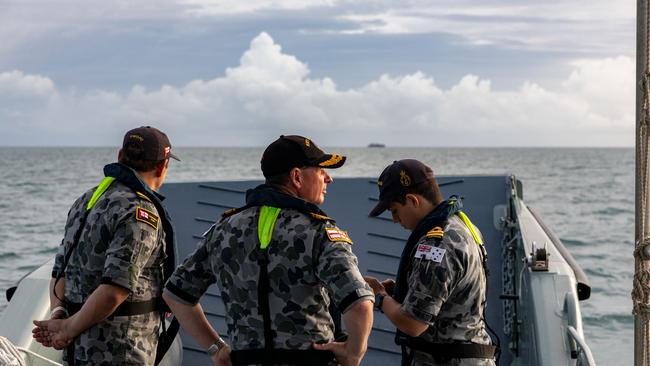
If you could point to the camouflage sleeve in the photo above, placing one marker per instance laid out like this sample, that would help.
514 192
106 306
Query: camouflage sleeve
192 278
58 259
337 268
73 215
432 279
134 240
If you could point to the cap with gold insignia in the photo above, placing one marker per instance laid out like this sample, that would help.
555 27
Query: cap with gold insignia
147 143
288 152
397 178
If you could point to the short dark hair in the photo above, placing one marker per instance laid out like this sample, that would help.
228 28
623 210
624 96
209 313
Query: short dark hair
428 189
278 180
140 165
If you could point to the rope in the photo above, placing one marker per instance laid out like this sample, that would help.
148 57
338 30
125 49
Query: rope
9 355
641 284
34 354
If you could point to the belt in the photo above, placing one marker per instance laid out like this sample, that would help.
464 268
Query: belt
297 357
449 350
127 308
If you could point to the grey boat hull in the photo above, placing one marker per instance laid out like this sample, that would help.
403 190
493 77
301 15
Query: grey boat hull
531 315
534 313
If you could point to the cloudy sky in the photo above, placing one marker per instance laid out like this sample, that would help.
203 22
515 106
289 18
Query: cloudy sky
346 73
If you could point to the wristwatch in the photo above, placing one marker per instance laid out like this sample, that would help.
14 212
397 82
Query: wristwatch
216 347
379 301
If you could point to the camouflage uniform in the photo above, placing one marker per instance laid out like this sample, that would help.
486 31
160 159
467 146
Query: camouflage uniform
307 270
121 245
448 292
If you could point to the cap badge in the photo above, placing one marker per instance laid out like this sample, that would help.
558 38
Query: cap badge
380 183
136 137
404 179
168 150
307 142
335 159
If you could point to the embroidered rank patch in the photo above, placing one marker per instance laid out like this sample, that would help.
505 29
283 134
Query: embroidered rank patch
436 232
335 234
429 252
147 217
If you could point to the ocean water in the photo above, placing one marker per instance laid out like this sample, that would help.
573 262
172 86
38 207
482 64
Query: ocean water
585 195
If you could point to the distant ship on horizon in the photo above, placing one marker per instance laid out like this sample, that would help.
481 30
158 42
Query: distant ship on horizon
376 144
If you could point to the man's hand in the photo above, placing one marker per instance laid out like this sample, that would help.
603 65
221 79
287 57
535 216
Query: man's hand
52 333
358 321
222 358
59 333
343 355
42 335
59 313
374 283
389 285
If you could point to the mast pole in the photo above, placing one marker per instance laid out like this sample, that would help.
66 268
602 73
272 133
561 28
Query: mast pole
641 285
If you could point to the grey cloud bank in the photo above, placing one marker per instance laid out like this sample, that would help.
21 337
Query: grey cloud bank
413 73
271 92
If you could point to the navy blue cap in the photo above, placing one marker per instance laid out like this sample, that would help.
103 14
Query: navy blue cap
147 143
288 152
396 180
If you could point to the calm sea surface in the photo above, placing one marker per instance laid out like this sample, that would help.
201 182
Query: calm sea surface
585 195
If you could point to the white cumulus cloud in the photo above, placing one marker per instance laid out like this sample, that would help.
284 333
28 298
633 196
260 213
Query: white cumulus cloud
16 83
271 93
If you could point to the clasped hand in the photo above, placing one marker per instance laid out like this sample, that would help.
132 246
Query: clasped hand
384 287
52 333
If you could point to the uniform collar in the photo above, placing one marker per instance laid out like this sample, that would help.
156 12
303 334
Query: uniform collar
131 179
437 217
265 195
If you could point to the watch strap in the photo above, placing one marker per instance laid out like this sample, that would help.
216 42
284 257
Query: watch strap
216 346
379 301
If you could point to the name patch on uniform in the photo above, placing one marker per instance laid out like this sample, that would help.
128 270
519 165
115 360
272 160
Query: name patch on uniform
335 234
147 217
429 252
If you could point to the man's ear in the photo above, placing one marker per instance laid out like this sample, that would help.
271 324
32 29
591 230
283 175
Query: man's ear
413 199
161 167
295 177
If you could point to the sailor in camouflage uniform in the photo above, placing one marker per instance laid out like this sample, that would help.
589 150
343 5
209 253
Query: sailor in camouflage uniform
108 273
438 298
279 262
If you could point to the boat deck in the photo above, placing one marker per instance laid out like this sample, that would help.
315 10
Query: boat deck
378 242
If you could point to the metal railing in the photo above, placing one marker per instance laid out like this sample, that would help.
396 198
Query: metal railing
582 351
